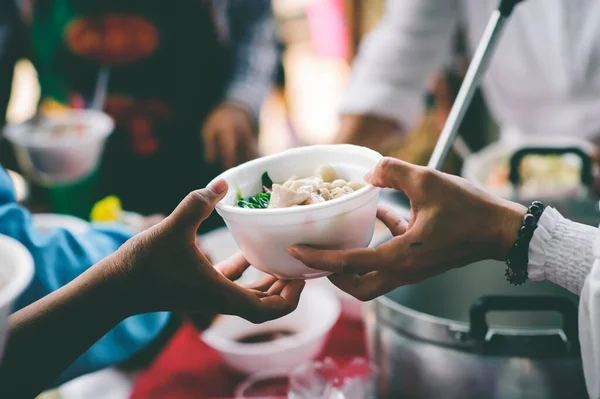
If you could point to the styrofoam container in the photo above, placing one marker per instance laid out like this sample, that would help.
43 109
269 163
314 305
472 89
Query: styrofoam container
264 235
317 312
53 159
480 165
16 271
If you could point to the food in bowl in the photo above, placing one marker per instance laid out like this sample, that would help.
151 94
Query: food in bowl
539 173
264 236
323 185
61 147
265 336
310 324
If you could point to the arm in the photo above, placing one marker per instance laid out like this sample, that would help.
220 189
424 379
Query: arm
60 256
453 224
568 254
394 63
160 269
253 35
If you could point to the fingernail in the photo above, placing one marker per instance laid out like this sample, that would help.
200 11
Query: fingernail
219 187
293 251
368 176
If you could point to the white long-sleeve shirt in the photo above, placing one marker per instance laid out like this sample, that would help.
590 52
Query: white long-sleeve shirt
544 77
568 254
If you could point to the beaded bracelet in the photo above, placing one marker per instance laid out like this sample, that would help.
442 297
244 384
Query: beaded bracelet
518 256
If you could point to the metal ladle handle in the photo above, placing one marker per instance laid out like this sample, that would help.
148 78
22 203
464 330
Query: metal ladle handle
477 68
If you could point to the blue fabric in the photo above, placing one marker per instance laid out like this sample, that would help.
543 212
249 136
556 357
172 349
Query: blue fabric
59 257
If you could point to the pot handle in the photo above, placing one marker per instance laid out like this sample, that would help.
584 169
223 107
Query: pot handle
486 304
516 159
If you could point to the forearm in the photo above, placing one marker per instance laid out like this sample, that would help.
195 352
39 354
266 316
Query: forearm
395 61
253 36
43 340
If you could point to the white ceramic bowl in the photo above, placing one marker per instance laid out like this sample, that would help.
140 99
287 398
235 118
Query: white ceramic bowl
478 167
60 159
316 314
264 235
16 271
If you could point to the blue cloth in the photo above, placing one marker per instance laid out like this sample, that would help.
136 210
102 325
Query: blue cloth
59 257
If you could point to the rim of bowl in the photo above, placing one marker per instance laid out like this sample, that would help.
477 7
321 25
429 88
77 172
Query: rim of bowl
11 131
229 346
299 209
23 274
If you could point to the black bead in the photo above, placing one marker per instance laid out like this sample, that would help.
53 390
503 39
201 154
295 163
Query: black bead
529 220
535 211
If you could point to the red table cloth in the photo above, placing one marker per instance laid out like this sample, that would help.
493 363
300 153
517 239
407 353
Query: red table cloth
189 369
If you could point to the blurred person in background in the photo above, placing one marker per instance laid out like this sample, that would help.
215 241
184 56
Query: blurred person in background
544 77
186 81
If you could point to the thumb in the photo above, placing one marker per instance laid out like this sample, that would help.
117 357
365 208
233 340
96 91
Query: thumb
197 206
393 173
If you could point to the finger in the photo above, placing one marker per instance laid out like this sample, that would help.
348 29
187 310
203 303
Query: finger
348 261
263 284
210 145
233 267
197 206
275 306
392 221
393 173
278 287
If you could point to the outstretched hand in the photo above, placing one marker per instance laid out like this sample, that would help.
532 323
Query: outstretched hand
452 224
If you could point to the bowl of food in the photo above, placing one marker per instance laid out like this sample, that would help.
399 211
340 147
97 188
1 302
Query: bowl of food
16 271
313 195
551 169
60 147
279 344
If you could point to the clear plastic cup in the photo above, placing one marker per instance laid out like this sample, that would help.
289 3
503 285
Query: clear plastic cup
315 380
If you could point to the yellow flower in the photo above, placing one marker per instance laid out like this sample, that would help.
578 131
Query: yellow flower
106 210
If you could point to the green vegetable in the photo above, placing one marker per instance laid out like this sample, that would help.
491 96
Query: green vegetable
259 201
266 180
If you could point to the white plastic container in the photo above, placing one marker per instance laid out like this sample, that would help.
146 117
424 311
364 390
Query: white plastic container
316 314
478 167
264 235
16 271
54 159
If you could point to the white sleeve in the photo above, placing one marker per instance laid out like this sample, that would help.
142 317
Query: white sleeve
568 254
397 58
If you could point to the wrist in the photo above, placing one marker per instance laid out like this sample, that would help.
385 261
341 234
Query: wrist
511 218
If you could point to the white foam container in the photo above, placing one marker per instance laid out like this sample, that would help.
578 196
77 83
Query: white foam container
317 312
16 271
263 235
480 165
52 160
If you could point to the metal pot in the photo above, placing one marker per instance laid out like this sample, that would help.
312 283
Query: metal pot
432 340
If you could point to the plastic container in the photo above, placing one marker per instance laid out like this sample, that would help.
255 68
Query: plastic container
264 235
16 271
51 159
479 166
316 314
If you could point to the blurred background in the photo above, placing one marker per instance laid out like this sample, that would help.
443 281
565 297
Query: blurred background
320 39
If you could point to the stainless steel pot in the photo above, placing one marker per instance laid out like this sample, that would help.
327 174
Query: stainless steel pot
432 340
